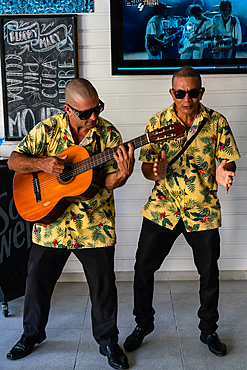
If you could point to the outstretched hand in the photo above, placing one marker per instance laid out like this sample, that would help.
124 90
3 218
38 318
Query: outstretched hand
223 176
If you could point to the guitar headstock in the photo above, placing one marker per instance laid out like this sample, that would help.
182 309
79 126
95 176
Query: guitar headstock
166 133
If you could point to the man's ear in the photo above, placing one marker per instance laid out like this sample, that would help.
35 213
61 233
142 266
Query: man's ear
202 92
68 110
172 93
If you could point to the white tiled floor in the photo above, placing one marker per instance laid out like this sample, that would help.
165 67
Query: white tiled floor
174 344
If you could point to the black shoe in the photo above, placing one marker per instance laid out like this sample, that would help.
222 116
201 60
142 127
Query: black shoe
23 347
214 344
134 340
116 357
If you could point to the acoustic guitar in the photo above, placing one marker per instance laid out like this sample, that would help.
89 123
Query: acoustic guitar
41 197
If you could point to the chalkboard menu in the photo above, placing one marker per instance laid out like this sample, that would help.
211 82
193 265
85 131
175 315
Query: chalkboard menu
39 56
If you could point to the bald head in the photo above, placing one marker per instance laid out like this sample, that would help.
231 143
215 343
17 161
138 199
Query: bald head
187 72
79 88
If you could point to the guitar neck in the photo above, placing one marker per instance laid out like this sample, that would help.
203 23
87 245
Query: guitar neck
100 158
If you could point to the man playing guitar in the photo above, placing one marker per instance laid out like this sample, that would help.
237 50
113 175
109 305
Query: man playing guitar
196 30
86 228
156 38
228 33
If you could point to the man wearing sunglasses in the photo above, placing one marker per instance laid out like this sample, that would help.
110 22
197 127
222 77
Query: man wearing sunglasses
86 228
184 201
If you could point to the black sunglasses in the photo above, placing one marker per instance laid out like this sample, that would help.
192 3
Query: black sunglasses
180 94
87 113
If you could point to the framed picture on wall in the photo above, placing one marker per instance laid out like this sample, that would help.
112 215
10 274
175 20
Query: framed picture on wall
39 56
157 37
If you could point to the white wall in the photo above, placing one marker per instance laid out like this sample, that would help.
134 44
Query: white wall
130 101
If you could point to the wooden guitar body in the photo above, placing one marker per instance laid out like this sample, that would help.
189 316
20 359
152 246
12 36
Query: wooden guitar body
59 191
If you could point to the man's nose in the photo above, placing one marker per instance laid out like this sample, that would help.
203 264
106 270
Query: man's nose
187 97
94 116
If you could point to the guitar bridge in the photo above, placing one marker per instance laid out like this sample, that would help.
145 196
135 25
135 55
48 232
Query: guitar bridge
36 187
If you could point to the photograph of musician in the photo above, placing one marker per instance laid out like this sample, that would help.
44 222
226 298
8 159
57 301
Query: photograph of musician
155 37
184 201
196 30
228 33
86 228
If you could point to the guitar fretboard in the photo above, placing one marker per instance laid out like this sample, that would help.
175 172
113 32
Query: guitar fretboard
100 158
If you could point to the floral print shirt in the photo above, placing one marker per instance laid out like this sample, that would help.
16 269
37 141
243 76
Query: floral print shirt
189 189
84 224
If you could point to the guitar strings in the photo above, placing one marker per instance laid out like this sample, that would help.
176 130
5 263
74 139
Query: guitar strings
139 141
87 164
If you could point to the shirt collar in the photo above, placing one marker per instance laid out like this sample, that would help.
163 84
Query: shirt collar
199 118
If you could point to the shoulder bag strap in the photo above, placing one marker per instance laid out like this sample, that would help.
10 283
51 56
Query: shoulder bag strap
205 120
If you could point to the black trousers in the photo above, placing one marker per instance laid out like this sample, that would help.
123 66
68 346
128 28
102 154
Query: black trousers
154 245
45 267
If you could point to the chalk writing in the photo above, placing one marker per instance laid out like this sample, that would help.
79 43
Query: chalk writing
14 232
16 35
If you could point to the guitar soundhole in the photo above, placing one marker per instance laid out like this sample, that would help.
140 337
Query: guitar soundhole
68 174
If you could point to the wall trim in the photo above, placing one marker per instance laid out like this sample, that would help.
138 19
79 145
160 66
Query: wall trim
159 276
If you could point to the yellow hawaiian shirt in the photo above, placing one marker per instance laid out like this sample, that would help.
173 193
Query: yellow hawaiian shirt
84 224
189 189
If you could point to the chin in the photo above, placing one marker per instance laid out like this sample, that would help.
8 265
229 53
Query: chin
91 125
188 111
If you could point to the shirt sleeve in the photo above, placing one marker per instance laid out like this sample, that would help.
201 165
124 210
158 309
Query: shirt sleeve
34 142
114 139
226 145
151 29
238 34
